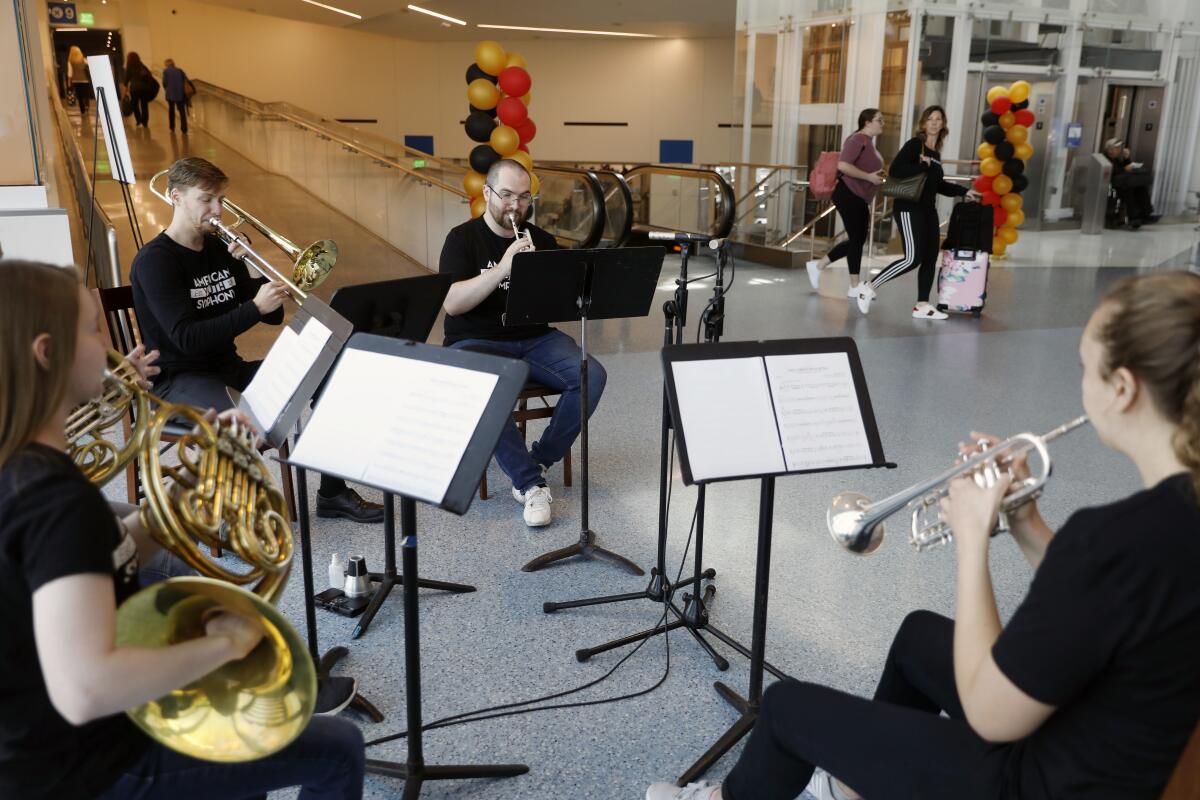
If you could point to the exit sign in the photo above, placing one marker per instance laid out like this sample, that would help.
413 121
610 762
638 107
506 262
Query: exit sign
87 18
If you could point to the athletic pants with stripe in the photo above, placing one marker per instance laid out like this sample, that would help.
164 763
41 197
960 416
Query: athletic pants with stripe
920 234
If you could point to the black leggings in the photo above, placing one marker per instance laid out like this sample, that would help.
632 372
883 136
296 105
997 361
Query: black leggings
856 217
922 238
895 746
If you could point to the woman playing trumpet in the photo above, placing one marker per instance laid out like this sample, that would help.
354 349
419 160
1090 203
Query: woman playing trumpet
1091 689
66 563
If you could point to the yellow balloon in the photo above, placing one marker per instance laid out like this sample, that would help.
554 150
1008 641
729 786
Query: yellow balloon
478 206
994 92
534 184
1019 91
527 98
998 246
515 60
1008 235
505 141
985 151
524 159
1007 120
490 57
1017 134
1002 184
1015 218
483 93
473 183
1011 202
1023 151
991 166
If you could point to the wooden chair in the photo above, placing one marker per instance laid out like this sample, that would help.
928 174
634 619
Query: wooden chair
1185 780
523 413
117 304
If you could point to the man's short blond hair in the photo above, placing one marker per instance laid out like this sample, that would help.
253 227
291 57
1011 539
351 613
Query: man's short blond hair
192 171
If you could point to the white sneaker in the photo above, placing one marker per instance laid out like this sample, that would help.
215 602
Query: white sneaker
927 311
814 273
865 294
704 790
537 505
852 292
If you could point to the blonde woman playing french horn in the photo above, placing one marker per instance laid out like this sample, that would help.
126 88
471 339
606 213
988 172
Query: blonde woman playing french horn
65 565
1091 689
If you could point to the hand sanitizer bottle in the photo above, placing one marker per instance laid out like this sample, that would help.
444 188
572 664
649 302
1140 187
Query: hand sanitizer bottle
337 572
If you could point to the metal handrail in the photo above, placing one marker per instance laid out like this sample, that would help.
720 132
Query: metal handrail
621 186
726 204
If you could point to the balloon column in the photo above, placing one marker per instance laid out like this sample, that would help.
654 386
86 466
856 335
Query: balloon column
498 91
1003 153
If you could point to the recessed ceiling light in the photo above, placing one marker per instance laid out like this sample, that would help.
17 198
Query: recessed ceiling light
420 10
568 30
332 8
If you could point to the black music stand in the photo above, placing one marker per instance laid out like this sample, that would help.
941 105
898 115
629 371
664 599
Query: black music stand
784 393
567 285
351 446
406 309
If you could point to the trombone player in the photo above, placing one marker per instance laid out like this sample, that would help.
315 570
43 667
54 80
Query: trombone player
194 296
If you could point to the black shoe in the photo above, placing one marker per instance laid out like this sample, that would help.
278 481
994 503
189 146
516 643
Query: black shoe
334 693
1135 224
348 505
1153 218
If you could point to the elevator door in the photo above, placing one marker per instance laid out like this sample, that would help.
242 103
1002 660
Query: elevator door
1132 113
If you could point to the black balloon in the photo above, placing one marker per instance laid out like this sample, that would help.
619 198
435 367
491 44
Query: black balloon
989 119
474 73
1020 105
1005 151
482 158
993 134
491 112
1020 183
1014 168
480 126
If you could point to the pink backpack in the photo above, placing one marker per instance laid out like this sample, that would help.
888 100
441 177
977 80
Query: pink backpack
823 177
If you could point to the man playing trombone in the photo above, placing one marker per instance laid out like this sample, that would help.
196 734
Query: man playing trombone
194 296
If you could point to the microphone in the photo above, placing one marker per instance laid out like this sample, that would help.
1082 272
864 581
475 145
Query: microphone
676 236
717 244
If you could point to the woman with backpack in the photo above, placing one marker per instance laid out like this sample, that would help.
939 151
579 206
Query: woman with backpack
140 87
918 219
859 173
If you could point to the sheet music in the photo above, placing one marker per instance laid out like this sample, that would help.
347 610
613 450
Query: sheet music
283 370
398 423
725 410
816 404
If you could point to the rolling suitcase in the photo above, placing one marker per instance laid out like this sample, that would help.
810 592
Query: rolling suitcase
962 281
970 227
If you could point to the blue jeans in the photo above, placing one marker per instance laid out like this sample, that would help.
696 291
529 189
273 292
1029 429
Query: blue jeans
327 760
553 361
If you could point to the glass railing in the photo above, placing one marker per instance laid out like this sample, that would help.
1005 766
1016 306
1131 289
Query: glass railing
697 201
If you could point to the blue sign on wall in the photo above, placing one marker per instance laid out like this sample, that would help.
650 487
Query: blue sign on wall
1074 134
675 151
63 14
422 143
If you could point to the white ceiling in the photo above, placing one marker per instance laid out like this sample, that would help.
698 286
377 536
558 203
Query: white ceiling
668 18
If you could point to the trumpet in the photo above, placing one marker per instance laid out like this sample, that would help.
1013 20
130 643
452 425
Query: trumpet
856 523
220 494
512 219
310 265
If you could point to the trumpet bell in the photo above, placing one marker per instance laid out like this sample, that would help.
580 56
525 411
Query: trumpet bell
245 710
845 520
315 263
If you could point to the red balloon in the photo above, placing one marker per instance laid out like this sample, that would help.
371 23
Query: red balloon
526 130
511 111
1001 105
983 183
990 198
1023 117
524 147
515 81
999 216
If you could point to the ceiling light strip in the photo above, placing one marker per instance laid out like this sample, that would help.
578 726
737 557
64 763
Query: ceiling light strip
420 10
332 8
568 30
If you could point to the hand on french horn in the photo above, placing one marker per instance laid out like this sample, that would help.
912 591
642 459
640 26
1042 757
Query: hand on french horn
242 632
971 508
143 362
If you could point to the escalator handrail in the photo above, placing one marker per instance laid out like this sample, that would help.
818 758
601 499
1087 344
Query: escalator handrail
627 195
727 205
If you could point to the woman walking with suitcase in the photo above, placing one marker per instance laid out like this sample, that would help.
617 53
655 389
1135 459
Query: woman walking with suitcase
918 219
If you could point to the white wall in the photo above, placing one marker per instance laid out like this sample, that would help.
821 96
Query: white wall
664 89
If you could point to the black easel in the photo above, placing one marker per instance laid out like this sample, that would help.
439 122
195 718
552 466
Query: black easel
568 285
122 179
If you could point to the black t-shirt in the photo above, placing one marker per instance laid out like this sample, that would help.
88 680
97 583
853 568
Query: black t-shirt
908 163
54 523
192 305
471 248
1109 634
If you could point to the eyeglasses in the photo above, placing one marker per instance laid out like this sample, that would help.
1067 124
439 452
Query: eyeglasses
507 197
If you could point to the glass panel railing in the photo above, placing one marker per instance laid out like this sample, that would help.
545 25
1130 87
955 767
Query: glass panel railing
697 201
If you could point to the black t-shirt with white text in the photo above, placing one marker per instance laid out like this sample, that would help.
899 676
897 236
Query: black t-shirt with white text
471 248
192 305
54 523
1109 634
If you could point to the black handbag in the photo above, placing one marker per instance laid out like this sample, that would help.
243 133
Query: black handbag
909 188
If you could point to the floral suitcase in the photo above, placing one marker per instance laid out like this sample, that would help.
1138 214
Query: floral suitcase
962 281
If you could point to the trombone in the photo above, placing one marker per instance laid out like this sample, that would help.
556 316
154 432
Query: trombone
856 523
310 265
